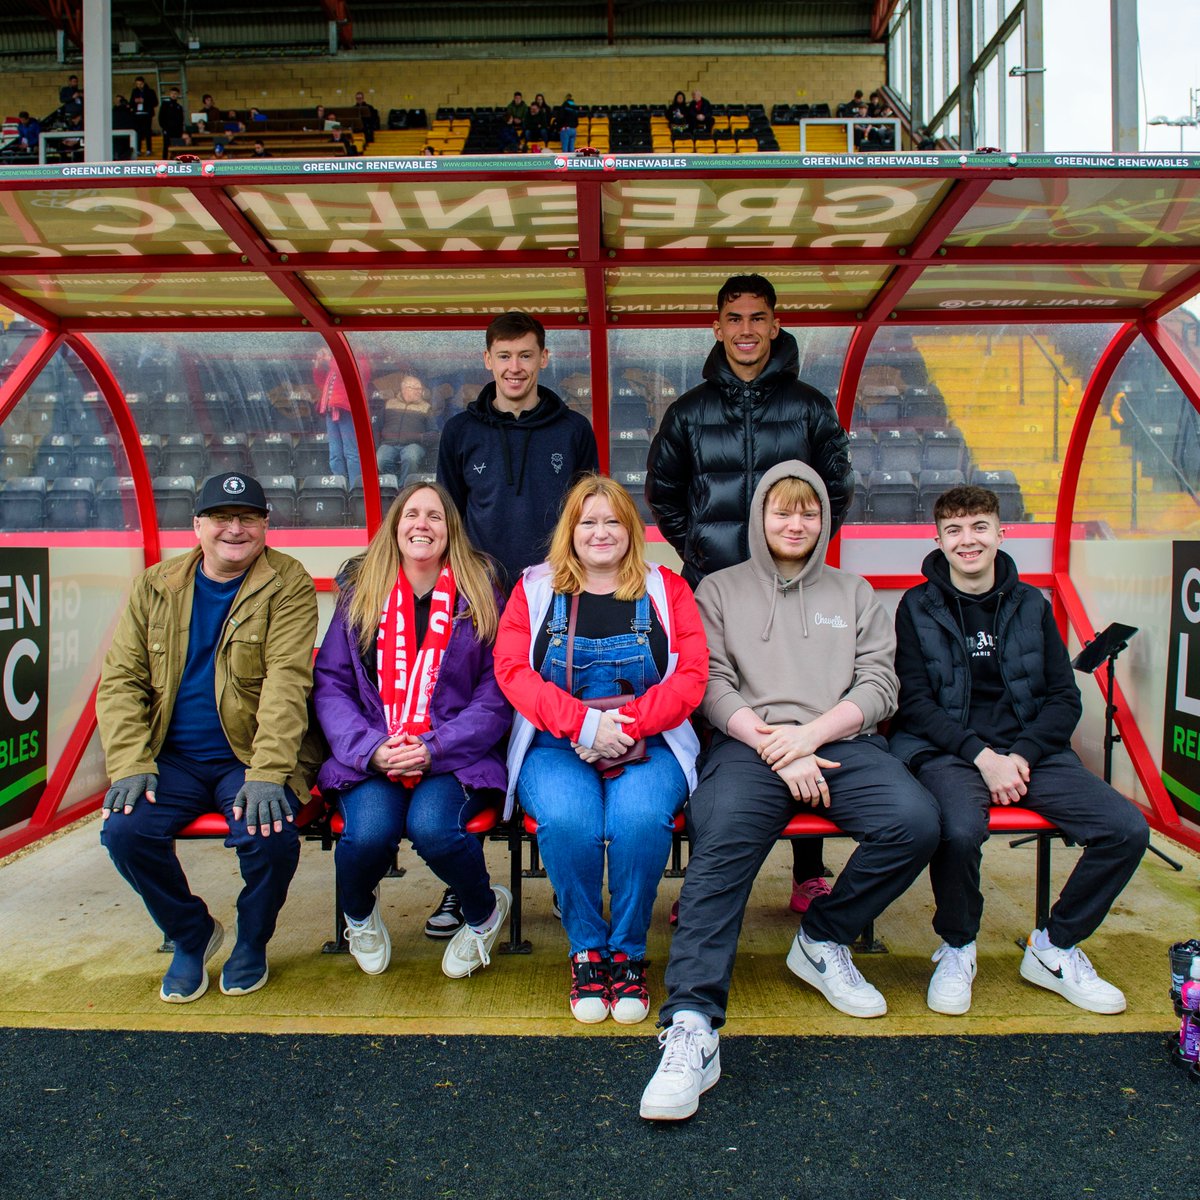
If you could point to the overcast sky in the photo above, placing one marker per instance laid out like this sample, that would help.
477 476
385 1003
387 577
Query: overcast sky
1078 72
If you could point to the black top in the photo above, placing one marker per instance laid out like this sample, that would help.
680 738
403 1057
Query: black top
421 606
990 708
604 617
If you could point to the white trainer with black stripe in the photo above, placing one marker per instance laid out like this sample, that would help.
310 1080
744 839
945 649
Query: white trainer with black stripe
690 1065
1071 974
828 967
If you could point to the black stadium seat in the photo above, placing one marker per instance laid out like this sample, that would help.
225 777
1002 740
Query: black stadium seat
945 450
900 449
16 455
893 497
271 454
1007 489
864 450
311 456
930 485
55 456
69 503
95 457
174 496
280 491
229 452
323 502
23 503
116 503
185 454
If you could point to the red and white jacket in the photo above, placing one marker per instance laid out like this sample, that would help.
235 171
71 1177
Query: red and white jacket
540 704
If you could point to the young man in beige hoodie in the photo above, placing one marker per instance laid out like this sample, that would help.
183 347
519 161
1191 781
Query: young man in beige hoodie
800 676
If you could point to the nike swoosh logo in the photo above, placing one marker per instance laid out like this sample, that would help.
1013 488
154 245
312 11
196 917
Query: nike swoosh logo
705 1059
820 966
1057 973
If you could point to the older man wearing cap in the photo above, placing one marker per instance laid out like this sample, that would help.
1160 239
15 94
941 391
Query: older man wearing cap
202 707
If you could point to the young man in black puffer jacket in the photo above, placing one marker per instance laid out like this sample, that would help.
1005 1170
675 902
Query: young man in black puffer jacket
717 441
988 704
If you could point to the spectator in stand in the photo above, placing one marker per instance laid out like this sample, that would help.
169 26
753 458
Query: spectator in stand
510 135
517 108
29 130
171 120
700 113
256 114
260 150
322 116
567 120
71 149
73 105
677 114
368 114
143 101
212 114
540 101
122 121
537 127
232 124
333 402
66 93
429 152
346 138
409 431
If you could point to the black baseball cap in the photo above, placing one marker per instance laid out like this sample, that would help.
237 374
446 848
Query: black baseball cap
231 489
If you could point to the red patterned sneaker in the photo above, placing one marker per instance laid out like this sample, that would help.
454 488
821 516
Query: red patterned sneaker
803 894
627 990
590 1000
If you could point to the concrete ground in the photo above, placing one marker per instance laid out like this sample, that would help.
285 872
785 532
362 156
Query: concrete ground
81 953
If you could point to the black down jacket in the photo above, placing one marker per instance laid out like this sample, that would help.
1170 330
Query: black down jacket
718 440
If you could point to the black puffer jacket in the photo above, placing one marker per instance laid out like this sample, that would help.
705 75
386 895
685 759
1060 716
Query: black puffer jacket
934 666
718 440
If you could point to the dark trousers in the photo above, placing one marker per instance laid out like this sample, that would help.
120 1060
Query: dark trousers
142 847
1111 829
735 816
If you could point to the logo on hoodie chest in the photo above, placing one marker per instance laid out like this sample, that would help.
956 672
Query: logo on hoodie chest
478 468
557 462
836 621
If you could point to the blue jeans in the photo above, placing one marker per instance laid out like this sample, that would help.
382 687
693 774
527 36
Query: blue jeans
142 847
578 813
566 139
433 816
343 447
400 461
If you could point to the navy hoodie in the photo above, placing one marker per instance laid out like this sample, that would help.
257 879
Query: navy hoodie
508 475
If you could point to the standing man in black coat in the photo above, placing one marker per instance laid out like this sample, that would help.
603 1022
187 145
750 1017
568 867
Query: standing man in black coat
171 119
717 441
143 101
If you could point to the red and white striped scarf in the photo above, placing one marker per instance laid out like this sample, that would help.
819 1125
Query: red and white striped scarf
407 675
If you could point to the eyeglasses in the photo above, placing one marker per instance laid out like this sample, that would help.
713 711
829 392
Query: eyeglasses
247 520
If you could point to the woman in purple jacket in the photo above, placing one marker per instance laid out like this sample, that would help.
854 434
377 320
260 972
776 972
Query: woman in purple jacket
406 695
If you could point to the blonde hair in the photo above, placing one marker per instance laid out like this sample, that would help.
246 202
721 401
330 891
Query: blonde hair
373 575
568 574
792 492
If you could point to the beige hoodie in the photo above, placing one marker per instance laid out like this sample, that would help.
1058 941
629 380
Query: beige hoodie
791 650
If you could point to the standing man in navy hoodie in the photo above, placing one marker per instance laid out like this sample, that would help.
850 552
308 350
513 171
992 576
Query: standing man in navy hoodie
509 458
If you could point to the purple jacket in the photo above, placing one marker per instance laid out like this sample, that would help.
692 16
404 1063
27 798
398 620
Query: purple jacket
470 715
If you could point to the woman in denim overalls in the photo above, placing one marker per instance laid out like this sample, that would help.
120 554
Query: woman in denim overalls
638 633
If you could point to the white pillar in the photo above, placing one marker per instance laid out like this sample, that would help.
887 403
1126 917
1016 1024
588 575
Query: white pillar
97 80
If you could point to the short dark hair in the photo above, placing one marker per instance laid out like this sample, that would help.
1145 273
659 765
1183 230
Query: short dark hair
966 500
22 115
746 285
512 326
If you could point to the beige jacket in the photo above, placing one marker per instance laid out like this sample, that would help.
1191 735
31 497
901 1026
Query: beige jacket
263 672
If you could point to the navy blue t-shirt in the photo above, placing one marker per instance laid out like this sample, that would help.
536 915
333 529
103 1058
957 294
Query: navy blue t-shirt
195 730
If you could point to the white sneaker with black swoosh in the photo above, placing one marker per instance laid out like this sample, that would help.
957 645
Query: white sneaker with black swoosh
828 967
690 1065
1072 976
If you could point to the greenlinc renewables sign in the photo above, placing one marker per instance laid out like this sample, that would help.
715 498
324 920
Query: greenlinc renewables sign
1181 723
24 678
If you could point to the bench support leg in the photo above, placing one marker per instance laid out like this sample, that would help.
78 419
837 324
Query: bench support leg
515 943
868 943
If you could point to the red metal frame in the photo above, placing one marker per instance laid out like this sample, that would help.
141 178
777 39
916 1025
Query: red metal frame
901 267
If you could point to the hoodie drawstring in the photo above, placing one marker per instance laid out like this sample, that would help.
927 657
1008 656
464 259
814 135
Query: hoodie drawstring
505 428
782 585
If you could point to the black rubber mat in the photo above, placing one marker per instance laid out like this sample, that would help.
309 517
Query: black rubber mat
171 1116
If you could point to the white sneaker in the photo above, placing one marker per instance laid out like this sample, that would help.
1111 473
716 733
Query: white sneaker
470 951
950 988
1071 975
828 967
369 941
691 1064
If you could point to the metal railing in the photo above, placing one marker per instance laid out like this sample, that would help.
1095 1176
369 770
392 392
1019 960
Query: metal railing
80 136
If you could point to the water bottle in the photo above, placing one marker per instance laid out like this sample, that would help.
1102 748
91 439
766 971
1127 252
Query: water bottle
1189 1028
1182 955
